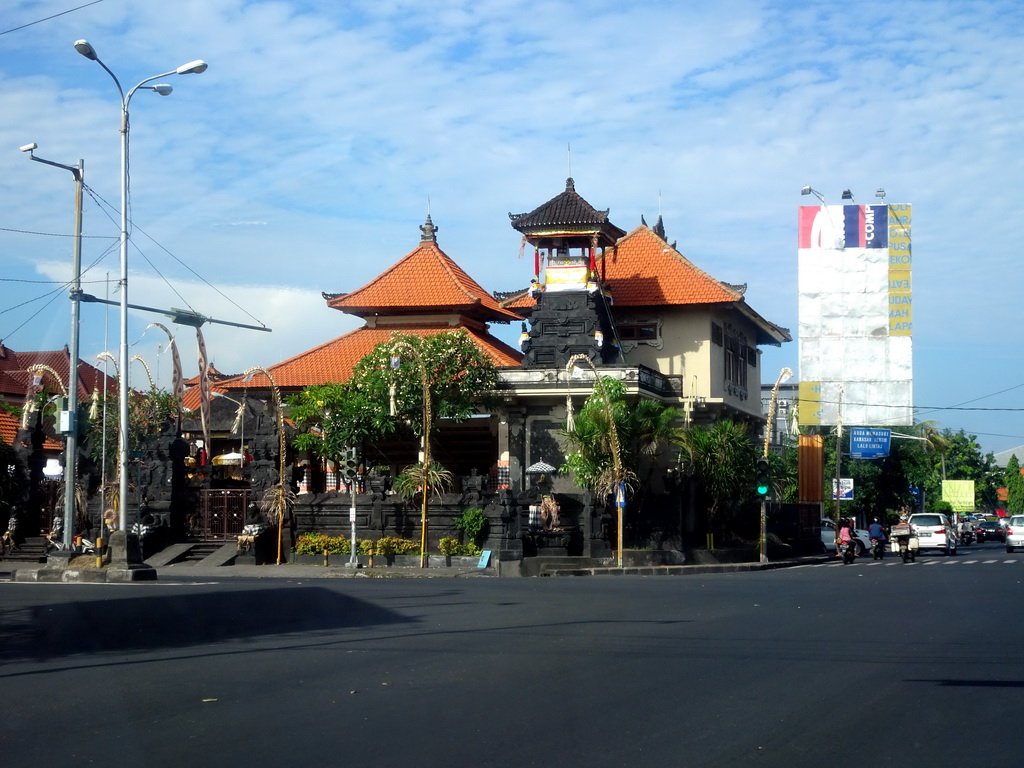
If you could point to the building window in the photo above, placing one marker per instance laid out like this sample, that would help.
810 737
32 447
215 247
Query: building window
736 360
716 334
638 332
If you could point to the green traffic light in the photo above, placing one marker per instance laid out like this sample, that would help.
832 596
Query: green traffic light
762 490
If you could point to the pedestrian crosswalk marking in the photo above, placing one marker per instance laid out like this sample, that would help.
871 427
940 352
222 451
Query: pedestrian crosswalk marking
895 561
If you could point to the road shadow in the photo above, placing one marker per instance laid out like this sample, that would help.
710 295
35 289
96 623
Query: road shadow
179 620
973 683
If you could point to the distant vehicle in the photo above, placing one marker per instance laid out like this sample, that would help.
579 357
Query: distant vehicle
989 530
967 525
934 531
861 539
1015 533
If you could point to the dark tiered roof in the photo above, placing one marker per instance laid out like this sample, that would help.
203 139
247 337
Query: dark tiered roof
566 214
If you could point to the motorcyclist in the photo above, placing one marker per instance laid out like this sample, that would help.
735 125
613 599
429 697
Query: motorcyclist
877 533
846 534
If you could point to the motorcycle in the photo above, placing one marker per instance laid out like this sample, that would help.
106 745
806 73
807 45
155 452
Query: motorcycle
877 549
846 551
902 534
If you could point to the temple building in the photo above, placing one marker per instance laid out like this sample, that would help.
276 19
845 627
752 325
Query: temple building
600 302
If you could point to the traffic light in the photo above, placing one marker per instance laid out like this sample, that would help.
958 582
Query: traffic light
350 464
763 480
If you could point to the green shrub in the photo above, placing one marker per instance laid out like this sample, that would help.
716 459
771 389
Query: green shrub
472 522
316 543
392 545
451 546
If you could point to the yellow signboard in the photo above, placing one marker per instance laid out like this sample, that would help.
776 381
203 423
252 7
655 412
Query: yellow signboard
960 494
809 402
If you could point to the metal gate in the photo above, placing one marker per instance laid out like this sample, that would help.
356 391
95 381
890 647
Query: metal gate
222 513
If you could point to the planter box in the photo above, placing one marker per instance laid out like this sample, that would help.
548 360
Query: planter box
407 561
297 559
453 561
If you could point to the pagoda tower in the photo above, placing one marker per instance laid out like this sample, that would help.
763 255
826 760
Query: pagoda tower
572 310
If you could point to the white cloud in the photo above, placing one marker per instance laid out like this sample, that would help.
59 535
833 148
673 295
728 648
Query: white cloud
303 159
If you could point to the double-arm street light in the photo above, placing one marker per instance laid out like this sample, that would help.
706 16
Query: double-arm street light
192 67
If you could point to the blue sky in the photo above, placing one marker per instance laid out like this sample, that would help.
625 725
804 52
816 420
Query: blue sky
304 158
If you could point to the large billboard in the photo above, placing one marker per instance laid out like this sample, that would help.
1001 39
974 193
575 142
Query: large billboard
855 315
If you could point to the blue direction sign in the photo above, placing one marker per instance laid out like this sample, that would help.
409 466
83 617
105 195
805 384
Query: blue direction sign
868 443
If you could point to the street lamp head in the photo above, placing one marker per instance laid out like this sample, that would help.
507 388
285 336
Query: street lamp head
84 48
163 89
192 68
28 148
806 189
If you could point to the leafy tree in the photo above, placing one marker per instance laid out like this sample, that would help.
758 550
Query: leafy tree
962 459
459 377
336 417
342 415
1014 487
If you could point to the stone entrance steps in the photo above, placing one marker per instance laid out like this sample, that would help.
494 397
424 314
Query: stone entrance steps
193 553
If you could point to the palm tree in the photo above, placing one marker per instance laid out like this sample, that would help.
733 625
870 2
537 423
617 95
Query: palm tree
720 458
935 441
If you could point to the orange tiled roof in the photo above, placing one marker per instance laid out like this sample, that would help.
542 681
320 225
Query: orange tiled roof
644 270
9 427
335 360
426 280
15 378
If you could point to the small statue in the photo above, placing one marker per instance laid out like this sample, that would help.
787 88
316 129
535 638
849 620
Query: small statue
549 520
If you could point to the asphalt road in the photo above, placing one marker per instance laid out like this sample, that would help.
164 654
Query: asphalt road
823 665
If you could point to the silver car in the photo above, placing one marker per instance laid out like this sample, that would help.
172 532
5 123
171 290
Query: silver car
1015 533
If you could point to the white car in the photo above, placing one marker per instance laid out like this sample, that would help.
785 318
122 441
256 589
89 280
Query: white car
933 531
828 537
1015 533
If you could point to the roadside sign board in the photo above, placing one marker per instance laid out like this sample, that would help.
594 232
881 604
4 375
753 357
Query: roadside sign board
868 443
845 488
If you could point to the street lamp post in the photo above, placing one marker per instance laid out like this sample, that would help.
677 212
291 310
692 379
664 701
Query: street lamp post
69 424
192 67
613 436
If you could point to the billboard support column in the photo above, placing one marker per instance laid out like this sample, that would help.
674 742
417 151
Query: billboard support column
839 455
